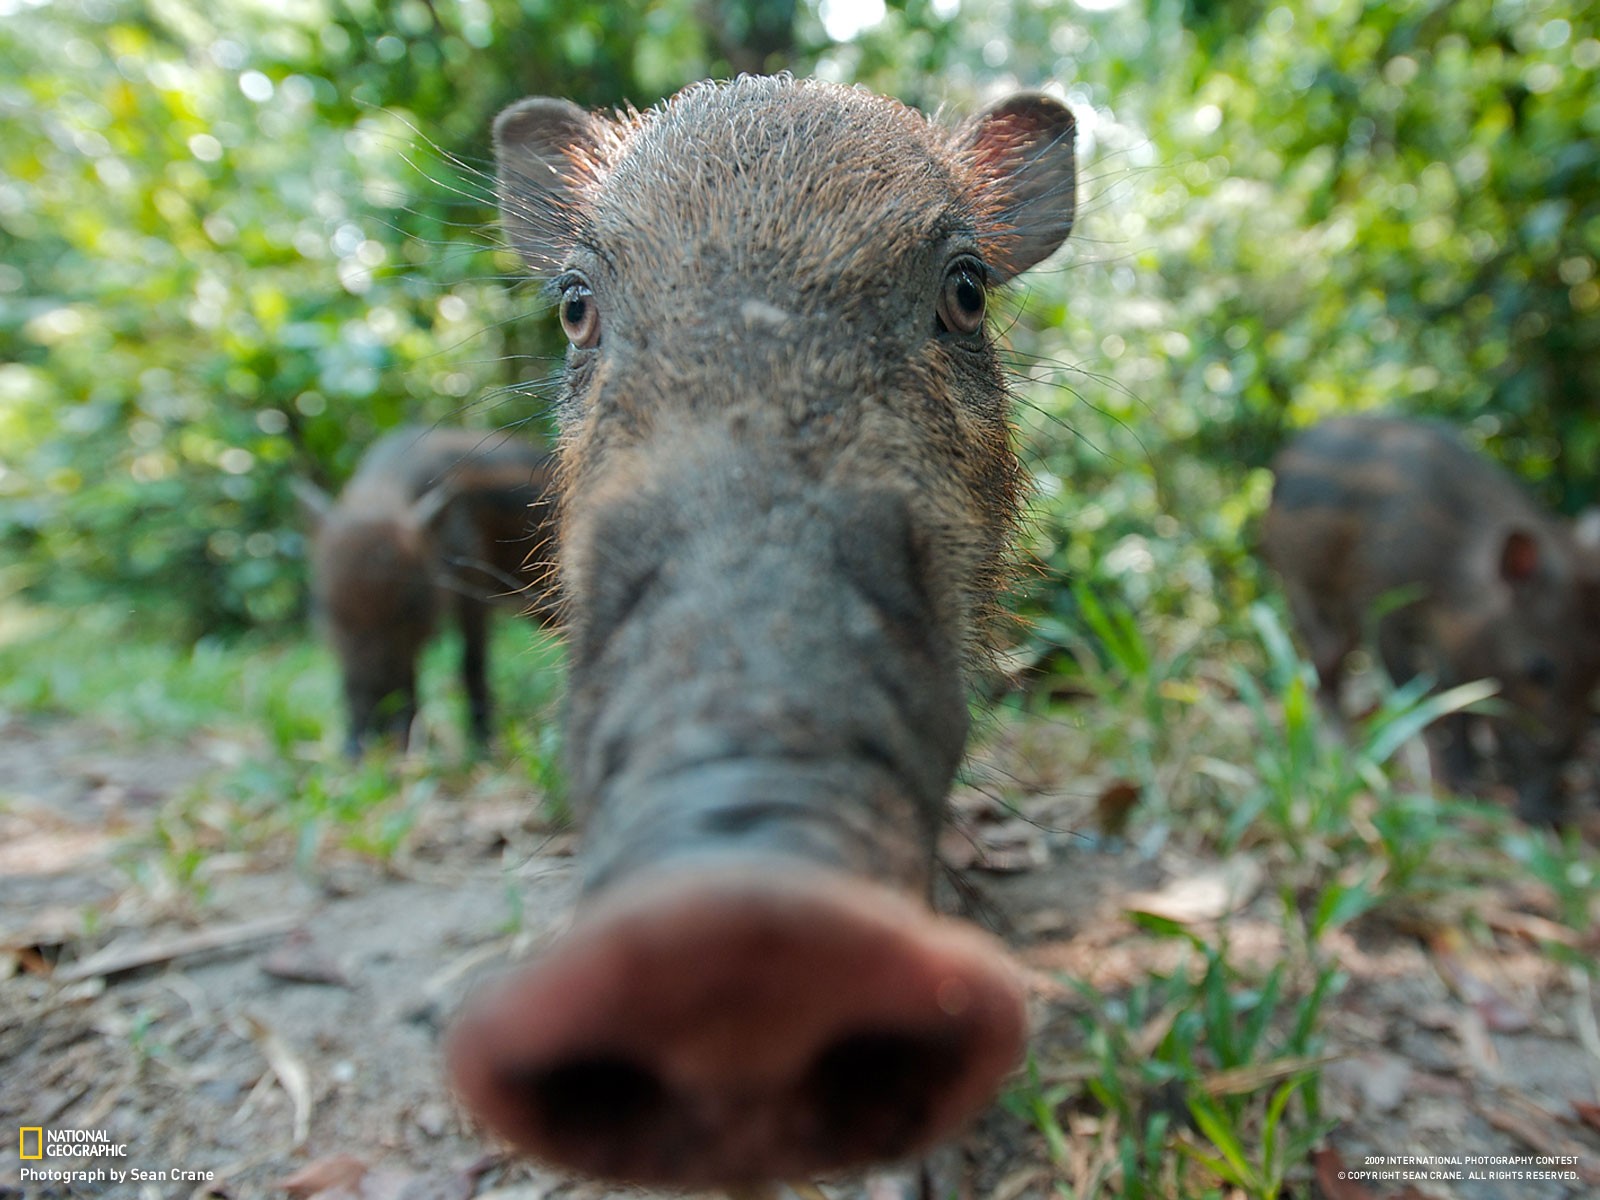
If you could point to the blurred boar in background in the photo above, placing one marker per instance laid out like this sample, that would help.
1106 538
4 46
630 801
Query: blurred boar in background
1395 527
789 494
433 521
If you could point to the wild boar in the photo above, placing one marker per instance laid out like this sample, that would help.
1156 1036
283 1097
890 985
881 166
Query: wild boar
1395 528
788 500
434 521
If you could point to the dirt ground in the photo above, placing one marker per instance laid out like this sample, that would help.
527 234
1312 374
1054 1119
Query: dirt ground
278 1035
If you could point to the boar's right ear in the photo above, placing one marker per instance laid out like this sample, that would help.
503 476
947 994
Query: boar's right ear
428 507
1586 529
542 148
1519 557
314 503
1022 152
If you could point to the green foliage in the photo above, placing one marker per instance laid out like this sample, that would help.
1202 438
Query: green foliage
239 242
1361 835
1309 779
102 663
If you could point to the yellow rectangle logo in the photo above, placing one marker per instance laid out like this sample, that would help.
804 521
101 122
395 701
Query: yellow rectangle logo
38 1142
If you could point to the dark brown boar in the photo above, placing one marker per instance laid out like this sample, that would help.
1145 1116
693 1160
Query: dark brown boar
1396 528
788 497
434 521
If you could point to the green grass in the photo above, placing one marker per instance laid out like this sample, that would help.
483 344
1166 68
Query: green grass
1210 1064
101 664
106 665
270 713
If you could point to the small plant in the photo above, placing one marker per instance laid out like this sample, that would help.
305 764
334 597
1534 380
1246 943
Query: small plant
170 859
1141 700
139 1040
516 908
1206 1062
363 806
1330 799
1038 1104
1569 869
536 750
1282 1147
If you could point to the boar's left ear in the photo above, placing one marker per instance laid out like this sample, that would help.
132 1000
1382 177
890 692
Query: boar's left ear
314 503
542 147
1021 151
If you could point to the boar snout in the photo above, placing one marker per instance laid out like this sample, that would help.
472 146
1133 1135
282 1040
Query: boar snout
742 1023
772 671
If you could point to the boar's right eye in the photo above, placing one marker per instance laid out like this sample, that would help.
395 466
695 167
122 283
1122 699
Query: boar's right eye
961 298
1540 670
580 319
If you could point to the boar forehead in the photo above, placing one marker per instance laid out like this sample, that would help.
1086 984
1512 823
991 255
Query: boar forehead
804 194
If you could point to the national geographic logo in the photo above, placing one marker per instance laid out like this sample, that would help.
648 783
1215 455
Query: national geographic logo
35 1142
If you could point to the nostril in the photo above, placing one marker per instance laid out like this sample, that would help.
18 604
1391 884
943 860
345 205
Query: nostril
589 1100
873 1092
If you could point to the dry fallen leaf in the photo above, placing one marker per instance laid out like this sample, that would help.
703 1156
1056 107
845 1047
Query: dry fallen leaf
117 958
431 1185
1114 807
290 1071
1204 895
1499 1013
1379 1081
1537 1127
53 851
297 959
324 1175
1589 1114
1473 1034
1330 1169
1018 1182
347 1177
1530 927
383 1183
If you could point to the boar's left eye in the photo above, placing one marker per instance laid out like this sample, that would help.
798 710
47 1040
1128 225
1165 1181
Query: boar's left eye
580 319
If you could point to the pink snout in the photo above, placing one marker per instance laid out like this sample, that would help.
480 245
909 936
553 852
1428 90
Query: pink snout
731 1026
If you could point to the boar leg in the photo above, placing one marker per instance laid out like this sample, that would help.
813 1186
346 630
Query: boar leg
1330 638
473 615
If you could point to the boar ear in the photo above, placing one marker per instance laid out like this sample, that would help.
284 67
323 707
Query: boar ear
543 148
1519 557
1586 529
428 507
1021 151
314 503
